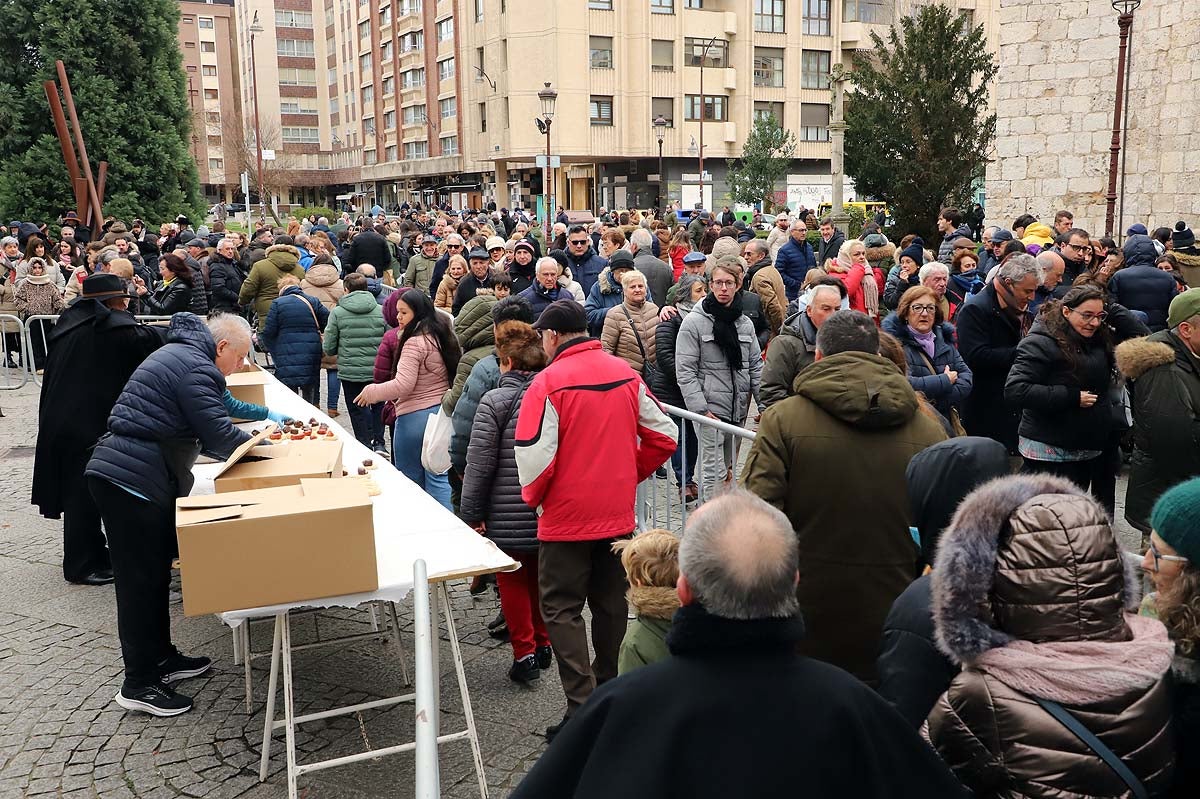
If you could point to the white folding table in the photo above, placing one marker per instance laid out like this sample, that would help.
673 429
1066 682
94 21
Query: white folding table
409 525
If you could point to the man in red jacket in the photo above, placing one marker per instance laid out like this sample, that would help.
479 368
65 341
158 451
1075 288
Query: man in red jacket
588 432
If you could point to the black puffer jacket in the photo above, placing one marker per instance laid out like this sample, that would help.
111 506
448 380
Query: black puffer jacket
1045 386
225 281
663 382
169 298
491 489
172 408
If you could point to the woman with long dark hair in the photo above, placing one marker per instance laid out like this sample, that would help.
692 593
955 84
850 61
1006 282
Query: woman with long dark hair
1061 381
175 292
428 355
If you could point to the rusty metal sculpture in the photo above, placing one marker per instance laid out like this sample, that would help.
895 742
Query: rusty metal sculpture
89 191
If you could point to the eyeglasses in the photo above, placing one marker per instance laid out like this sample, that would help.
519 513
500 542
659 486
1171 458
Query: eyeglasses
1080 247
726 284
922 309
1158 556
577 242
1089 317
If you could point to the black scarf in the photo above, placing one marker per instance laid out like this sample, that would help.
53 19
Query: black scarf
725 326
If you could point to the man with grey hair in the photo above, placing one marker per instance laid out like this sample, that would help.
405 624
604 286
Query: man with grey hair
990 325
1053 269
659 276
794 259
796 345
802 726
778 235
839 445
936 276
764 279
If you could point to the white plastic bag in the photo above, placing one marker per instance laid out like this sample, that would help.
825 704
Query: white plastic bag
435 446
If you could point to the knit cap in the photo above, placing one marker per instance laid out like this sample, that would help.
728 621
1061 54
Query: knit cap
915 250
1183 236
1176 519
1185 306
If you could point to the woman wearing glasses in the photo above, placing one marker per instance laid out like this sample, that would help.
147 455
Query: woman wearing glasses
1060 382
1172 564
934 366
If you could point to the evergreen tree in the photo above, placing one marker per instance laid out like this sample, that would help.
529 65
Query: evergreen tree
127 79
918 128
766 157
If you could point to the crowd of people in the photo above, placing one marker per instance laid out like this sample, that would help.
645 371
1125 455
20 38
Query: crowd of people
879 572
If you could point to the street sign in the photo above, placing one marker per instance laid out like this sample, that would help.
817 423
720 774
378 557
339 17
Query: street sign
268 155
555 161
246 188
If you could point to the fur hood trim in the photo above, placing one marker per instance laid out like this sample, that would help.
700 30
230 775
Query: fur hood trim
879 253
653 601
607 284
288 248
966 564
1138 356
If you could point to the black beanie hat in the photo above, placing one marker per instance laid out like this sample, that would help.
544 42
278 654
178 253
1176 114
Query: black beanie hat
1183 236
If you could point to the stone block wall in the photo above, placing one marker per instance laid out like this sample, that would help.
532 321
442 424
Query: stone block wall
1054 97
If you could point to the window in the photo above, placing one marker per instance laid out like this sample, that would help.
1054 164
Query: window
414 115
768 67
714 108
289 76
292 19
814 69
483 117
385 54
206 23
446 68
663 107
693 3
768 111
602 56
414 40
208 47
214 141
292 135
816 17
449 145
303 106
364 62
600 110
662 55
385 16
968 18
445 30
212 117
368 124
662 6
875 12
389 120
409 8
294 47
448 107
387 86
411 79
479 10
712 53
331 79
210 94
368 95
600 5
189 44
416 149
216 165
370 158
768 16
188 20
208 71
364 29
389 153
814 122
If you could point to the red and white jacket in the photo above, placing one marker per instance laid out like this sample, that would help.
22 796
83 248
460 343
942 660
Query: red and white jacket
588 432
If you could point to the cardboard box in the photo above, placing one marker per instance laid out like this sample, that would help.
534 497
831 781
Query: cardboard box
250 549
279 464
249 384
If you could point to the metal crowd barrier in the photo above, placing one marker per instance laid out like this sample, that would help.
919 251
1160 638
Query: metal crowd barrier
662 501
428 780
13 372
34 335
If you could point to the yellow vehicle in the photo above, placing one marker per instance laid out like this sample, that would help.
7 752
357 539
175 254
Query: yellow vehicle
869 209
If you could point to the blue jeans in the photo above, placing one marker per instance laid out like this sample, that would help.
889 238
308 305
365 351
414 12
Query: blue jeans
687 439
406 455
332 389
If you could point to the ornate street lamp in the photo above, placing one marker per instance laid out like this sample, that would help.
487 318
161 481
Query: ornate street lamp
1124 9
548 96
256 29
660 130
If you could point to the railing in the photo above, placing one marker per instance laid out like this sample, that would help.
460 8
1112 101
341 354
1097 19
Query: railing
13 372
663 502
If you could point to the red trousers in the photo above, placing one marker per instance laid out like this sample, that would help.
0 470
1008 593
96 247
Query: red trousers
520 603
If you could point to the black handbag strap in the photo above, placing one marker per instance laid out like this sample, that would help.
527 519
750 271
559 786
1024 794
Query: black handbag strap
1064 717
636 337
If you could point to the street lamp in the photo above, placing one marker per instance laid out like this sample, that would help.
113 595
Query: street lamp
256 29
547 96
1124 9
660 130
703 58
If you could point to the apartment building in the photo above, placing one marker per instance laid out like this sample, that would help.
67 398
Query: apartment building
208 46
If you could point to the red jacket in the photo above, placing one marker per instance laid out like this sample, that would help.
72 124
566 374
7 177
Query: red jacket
588 432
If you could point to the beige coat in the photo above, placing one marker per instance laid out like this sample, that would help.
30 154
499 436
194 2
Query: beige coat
8 302
768 285
445 293
617 335
324 283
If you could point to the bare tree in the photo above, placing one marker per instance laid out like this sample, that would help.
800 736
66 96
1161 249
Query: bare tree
279 174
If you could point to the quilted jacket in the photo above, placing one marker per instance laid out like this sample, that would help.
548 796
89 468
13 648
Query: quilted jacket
353 334
261 286
473 326
293 337
618 333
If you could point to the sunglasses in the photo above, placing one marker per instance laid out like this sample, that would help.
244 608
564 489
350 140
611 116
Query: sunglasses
578 242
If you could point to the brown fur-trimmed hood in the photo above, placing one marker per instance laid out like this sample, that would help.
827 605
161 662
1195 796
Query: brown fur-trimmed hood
284 248
653 601
1138 356
1002 534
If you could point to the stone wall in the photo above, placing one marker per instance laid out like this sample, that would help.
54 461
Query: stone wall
1055 92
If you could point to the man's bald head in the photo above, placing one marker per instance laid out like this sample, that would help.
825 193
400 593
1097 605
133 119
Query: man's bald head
739 559
1053 268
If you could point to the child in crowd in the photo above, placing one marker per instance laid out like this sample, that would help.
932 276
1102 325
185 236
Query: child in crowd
651 562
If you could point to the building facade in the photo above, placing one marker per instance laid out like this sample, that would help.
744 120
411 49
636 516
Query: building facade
1056 92
209 47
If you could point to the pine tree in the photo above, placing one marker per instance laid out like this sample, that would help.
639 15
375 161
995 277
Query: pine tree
766 157
918 128
126 72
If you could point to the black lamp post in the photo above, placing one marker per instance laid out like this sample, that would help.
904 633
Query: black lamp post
660 130
1124 9
548 96
256 29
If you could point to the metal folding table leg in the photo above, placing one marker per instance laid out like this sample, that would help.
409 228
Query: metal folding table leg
461 674
272 685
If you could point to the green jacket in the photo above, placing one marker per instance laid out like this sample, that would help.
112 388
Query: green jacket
645 639
833 458
477 337
420 272
261 286
353 334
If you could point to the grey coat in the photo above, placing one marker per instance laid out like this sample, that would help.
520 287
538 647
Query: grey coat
706 381
485 375
659 276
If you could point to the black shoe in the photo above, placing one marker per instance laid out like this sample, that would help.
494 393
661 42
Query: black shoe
159 699
661 472
525 670
497 622
181 667
98 577
554 729
501 633
544 655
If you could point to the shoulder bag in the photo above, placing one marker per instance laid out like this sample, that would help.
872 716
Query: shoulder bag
955 420
308 305
1076 728
649 369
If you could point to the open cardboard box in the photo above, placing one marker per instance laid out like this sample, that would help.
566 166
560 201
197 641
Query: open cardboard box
250 549
260 465
249 384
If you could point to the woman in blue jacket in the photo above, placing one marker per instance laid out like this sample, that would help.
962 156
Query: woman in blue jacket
172 408
935 367
293 337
